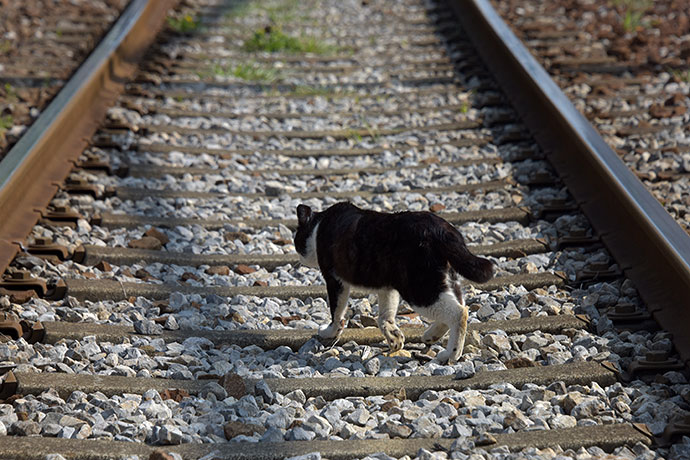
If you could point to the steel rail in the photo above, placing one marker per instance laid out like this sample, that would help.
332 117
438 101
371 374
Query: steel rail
45 154
650 247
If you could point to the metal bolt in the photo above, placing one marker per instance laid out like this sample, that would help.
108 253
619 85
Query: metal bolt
20 275
577 232
556 202
598 266
625 308
656 356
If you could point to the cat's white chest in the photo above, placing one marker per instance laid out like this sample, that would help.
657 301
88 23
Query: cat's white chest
310 258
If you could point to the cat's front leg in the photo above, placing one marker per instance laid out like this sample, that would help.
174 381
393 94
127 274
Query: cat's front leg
338 294
388 308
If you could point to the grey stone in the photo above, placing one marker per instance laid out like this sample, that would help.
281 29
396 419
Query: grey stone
262 389
297 395
460 430
679 451
318 425
517 420
273 434
562 421
171 323
443 370
465 370
67 432
426 427
396 430
25 428
535 341
311 346
280 419
169 435
498 342
299 434
216 389
147 327
68 420
309 456
424 454
471 398
332 363
373 365
52 397
359 416
485 312
176 301
571 400
82 432
153 409
588 408
445 410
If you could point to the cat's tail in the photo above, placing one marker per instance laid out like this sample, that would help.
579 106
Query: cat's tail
477 269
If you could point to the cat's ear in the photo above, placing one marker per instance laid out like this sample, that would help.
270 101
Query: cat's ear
304 214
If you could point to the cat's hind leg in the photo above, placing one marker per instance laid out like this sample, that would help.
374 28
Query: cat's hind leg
434 333
338 294
451 311
389 300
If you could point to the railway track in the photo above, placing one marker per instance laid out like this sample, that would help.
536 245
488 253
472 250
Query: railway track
43 43
157 306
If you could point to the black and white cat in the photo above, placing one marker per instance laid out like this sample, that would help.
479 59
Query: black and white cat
413 255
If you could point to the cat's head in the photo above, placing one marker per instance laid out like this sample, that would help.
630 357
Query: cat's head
305 237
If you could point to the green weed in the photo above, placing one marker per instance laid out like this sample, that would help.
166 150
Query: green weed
184 24
633 13
5 46
6 122
681 75
354 135
248 71
274 40
466 105
10 93
305 90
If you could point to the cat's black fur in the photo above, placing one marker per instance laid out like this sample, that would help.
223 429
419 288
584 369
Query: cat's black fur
414 253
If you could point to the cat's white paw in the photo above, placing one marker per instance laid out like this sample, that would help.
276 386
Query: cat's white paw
443 356
331 331
446 357
393 335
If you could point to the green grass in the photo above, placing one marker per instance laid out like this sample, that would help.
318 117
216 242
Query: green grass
5 46
6 122
248 71
633 13
466 105
305 90
682 75
275 40
10 93
184 24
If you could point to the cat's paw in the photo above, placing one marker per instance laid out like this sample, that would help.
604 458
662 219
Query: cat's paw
443 356
331 331
393 335
446 357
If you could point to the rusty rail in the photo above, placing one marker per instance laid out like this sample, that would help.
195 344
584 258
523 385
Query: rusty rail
44 156
652 249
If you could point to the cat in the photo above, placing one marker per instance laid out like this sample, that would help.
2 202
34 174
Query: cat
416 256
